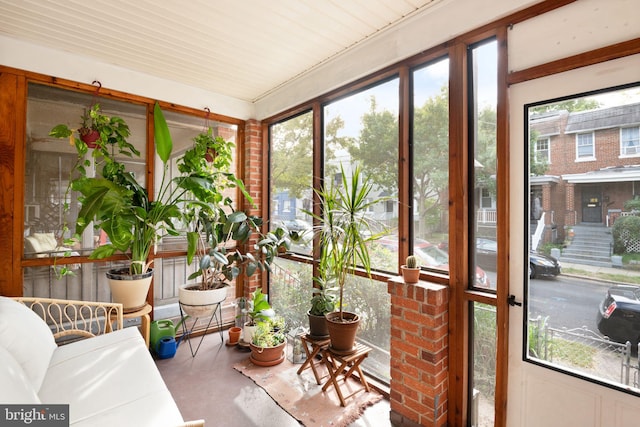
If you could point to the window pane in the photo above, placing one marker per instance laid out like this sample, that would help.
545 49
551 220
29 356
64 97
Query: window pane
430 156
290 291
49 160
583 317
484 365
485 215
585 145
292 179
630 140
362 129
483 233
184 128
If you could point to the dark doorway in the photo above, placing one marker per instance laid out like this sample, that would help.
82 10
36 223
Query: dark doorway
592 204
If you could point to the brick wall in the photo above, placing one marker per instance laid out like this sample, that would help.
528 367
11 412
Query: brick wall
253 167
419 353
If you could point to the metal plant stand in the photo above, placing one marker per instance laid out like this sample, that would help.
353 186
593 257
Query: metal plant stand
215 315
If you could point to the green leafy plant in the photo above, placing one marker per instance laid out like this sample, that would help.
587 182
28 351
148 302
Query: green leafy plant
345 230
266 335
323 300
259 309
218 232
114 202
632 204
625 234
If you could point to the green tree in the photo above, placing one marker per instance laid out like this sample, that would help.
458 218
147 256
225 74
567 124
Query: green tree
430 154
570 105
292 152
485 150
292 155
377 147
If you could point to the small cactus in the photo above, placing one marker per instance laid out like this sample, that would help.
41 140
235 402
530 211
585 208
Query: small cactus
412 261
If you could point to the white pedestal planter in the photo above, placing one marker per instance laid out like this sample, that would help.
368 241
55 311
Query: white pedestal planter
198 303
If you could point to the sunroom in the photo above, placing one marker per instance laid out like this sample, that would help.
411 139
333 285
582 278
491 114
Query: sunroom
430 98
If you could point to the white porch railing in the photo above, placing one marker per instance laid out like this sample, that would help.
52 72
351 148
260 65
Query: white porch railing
487 216
537 236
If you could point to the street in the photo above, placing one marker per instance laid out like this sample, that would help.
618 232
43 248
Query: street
567 301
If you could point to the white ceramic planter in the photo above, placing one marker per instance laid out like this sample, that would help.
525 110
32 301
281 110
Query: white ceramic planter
129 290
247 333
197 303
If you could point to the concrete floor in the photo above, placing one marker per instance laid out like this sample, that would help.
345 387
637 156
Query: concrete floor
207 387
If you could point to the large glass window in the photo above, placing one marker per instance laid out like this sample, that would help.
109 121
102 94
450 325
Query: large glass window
583 290
292 179
49 160
291 194
50 211
483 245
483 58
430 154
362 129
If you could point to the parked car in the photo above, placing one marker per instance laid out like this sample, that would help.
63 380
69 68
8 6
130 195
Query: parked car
486 253
540 265
432 256
619 314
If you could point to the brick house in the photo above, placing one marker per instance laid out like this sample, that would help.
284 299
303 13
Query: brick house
593 166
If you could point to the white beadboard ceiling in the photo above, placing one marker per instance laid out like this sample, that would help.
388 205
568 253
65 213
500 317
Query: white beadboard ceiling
239 48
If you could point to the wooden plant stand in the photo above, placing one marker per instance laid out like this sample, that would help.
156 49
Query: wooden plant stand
313 347
342 366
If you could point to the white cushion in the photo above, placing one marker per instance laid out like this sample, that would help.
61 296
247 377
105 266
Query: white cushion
27 338
109 378
47 241
154 410
15 387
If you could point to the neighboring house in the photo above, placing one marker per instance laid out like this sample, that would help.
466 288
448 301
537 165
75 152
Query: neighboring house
593 160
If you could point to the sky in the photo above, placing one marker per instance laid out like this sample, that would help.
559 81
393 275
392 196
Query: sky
427 82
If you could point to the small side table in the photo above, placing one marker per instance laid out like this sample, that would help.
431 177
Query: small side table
313 347
143 314
343 365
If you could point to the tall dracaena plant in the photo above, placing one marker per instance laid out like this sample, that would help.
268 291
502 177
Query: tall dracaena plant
344 228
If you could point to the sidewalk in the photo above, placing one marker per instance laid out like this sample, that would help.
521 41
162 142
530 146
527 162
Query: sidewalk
596 269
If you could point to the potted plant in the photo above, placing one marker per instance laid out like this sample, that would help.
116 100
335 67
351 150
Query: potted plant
258 311
323 301
411 269
115 203
345 232
218 233
267 344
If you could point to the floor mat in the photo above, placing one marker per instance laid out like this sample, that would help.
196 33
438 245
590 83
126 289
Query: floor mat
303 399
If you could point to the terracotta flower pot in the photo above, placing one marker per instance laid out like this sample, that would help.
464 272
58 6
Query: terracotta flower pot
410 275
342 332
234 335
267 356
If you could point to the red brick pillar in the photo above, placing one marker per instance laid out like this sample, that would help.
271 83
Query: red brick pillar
419 353
253 167
570 203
